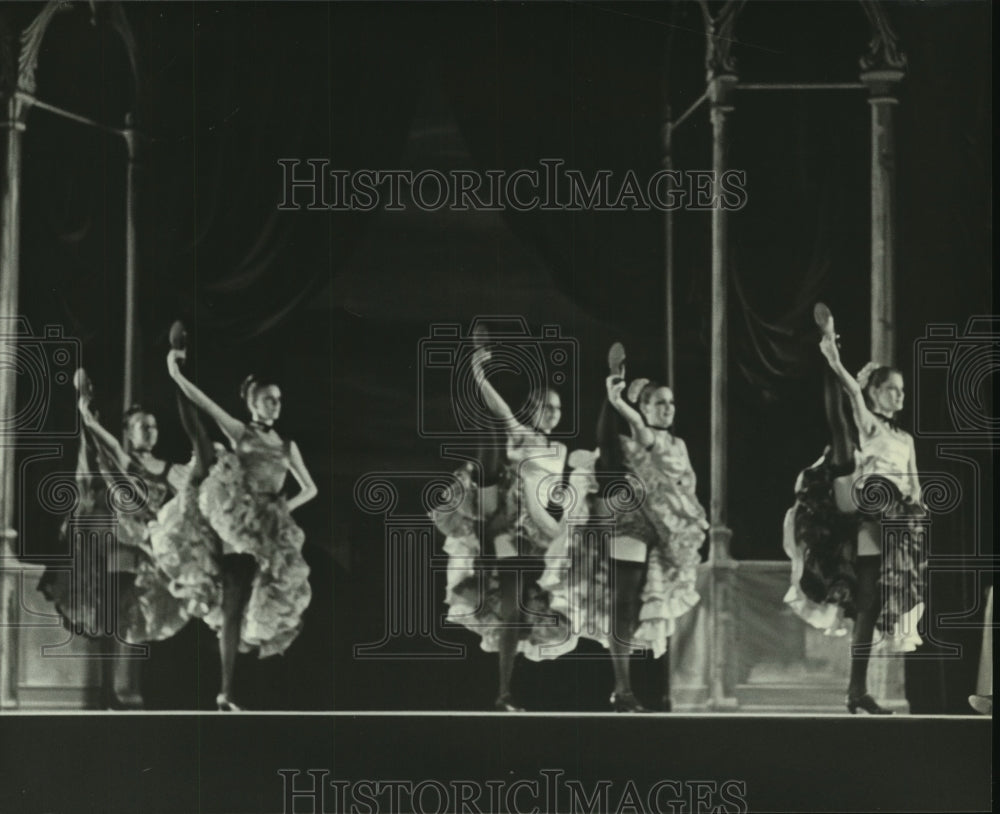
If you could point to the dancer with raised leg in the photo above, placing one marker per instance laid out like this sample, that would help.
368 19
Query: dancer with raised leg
646 485
504 518
840 564
144 610
264 579
656 545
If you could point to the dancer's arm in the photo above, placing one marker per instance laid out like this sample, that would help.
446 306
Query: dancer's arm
615 384
862 415
307 488
232 427
102 436
494 401
917 492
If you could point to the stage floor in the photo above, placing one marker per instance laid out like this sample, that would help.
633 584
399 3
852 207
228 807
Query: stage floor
263 762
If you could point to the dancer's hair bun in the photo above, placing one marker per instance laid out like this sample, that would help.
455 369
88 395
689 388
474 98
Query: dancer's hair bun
865 374
635 389
130 413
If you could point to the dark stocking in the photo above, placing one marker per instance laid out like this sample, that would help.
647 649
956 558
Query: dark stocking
237 576
841 443
627 584
868 569
204 452
510 616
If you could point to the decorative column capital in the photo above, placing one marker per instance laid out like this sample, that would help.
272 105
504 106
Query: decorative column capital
883 49
720 93
883 85
720 30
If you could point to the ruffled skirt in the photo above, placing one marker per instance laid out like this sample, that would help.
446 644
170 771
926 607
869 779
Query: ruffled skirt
114 590
585 595
189 552
822 543
473 583
259 524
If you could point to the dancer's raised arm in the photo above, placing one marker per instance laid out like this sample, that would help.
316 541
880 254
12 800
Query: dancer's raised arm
615 384
105 438
297 466
232 427
917 493
493 399
863 417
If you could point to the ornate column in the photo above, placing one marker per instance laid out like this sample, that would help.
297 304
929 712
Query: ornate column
668 247
721 77
132 385
882 69
13 110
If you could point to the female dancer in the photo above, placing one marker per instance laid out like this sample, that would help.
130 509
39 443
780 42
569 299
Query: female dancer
657 535
839 564
145 610
264 579
516 523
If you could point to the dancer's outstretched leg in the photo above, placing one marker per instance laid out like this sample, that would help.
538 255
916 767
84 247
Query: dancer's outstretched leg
841 440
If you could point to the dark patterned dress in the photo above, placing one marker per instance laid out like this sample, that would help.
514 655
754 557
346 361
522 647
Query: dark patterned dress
824 542
114 585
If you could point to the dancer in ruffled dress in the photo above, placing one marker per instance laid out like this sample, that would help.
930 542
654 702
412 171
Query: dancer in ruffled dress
132 483
247 578
509 511
646 485
840 566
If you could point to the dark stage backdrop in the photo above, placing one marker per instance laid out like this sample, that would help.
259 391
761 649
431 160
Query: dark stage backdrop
334 304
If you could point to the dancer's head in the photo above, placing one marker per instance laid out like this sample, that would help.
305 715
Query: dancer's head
655 402
262 398
546 410
141 432
882 387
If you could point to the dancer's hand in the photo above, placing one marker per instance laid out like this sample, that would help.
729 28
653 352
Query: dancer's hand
828 347
83 404
174 359
615 384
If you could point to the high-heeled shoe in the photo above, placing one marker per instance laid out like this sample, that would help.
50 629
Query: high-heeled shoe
616 359
626 702
824 319
666 705
505 703
866 703
178 336
224 704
